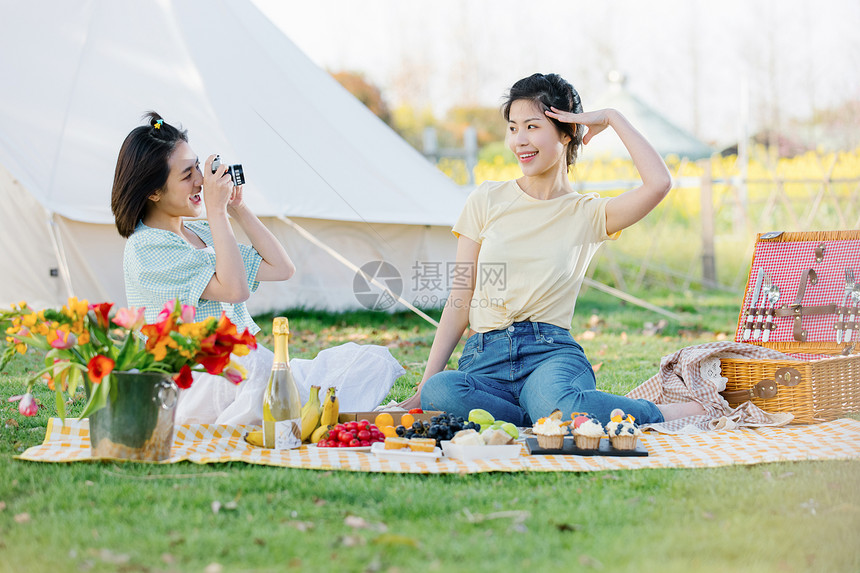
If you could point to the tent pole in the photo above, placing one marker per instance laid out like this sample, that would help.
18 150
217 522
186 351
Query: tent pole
340 258
60 253
632 299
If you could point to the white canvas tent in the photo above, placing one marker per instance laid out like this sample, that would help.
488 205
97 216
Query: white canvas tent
77 75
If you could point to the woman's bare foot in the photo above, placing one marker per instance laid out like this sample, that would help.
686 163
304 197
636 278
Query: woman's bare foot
681 410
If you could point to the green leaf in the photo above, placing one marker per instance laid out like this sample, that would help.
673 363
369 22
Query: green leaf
74 379
126 356
98 397
34 342
61 403
101 336
7 356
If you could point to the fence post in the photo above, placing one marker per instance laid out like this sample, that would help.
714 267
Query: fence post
709 263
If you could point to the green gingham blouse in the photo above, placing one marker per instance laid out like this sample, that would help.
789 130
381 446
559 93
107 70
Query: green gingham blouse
160 266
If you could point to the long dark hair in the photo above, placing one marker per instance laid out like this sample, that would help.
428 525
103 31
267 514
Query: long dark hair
142 169
550 90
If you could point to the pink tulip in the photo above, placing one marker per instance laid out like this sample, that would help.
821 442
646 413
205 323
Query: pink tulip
64 340
165 312
234 373
188 313
130 318
27 406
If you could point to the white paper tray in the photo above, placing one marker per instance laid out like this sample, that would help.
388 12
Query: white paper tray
404 454
468 453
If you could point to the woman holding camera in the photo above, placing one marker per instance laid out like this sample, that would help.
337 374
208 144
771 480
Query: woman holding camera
158 185
520 361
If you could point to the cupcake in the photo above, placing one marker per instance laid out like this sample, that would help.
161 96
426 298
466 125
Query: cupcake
550 432
587 431
622 431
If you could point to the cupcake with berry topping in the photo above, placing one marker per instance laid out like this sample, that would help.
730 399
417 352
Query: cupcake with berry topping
587 431
550 431
622 430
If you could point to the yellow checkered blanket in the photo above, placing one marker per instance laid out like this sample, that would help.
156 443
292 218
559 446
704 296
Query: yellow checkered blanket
205 444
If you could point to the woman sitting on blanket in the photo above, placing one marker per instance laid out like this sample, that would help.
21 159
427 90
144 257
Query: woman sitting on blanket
157 184
523 249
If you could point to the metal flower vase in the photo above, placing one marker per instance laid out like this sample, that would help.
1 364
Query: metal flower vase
137 420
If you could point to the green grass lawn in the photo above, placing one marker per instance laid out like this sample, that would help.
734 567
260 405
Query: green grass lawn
801 516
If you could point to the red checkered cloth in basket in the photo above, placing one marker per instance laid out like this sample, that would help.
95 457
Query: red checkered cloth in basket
785 262
680 380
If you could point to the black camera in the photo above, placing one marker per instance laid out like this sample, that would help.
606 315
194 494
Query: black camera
237 174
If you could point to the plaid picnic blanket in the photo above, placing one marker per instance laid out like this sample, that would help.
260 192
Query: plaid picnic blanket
204 444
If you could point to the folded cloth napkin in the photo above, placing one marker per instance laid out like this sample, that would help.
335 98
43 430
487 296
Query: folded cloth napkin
689 374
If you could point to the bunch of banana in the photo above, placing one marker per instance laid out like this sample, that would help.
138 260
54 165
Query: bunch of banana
311 412
328 415
317 418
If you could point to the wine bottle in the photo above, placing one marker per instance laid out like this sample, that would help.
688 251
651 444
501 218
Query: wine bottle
282 424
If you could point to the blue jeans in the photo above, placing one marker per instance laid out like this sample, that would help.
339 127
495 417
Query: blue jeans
523 373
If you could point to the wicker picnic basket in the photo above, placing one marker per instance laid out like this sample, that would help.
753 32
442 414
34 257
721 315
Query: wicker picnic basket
813 309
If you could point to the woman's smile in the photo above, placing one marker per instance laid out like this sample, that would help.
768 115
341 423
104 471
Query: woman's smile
526 157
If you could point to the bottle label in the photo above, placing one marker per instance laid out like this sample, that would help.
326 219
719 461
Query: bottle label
288 434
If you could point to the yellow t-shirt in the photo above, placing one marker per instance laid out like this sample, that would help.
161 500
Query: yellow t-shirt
534 253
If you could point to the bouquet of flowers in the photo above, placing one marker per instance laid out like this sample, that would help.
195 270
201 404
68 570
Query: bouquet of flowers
83 344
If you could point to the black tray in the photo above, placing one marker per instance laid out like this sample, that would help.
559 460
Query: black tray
569 449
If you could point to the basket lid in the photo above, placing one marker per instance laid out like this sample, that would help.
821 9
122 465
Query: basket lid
809 271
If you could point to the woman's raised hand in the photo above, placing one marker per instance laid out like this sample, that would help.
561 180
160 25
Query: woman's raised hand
594 121
217 187
236 198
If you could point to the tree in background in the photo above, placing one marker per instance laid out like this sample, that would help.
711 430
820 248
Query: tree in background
486 120
410 122
366 92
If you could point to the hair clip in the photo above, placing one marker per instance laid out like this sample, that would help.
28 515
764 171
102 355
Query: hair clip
158 123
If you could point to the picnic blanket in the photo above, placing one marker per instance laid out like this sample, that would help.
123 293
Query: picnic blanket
204 444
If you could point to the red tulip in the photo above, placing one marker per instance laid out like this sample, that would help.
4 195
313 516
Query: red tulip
184 378
102 310
99 367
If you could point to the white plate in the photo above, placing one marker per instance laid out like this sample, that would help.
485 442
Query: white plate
358 449
404 454
468 453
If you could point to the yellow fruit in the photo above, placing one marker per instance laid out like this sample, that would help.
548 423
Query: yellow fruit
388 431
255 438
406 420
481 417
384 419
330 408
320 433
311 413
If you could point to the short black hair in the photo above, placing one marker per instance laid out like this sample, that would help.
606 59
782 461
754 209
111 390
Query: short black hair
550 90
142 169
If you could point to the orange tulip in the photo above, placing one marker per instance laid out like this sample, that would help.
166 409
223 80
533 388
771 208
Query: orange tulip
99 367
